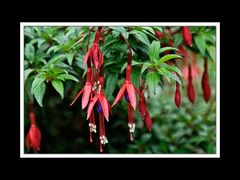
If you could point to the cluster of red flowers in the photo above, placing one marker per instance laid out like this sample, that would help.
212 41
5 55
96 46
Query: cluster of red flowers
189 70
93 94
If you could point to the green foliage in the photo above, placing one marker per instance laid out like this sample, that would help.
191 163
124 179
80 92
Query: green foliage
53 64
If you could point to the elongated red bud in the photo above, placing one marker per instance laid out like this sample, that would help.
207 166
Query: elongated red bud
205 82
187 36
177 95
158 34
148 121
191 93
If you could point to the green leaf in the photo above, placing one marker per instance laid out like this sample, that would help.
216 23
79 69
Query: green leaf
164 72
56 58
27 72
145 66
147 28
167 49
178 39
29 51
154 51
174 68
175 77
68 76
211 50
143 38
36 83
39 92
133 64
122 30
152 81
135 77
53 48
111 84
200 43
58 85
168 57
69 58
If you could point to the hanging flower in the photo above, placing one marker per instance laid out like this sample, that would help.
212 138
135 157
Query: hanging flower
143 110
205 82
103 109
94 54
177 95
33 137
190 90
86 90
187 36
129 88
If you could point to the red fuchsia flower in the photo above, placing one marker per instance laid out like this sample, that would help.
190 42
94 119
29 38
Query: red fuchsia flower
205 82
158 34
187 36
33 138
143 110
191 93
178 95
94 54
103 109
86 90
127 90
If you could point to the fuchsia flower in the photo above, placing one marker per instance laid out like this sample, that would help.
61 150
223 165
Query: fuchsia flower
103 109
94 54
177 95
187 36
205 82
86 90
33 137
143 110
191 93
127 90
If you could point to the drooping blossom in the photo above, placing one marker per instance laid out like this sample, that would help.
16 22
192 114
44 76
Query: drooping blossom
205 82
143 109
187 36
94 54
177 95
190 88
33 138
86 90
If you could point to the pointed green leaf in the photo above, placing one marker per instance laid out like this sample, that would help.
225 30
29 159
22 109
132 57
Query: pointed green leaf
29 51
167 49
69 58
68 76
27 72
175 77
111 84
154 51
145 66
36 83
53 48
56 58
178 39
164 72
143 38
168 57
122 30
58 85
174 68
39 92
152 81
200 43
